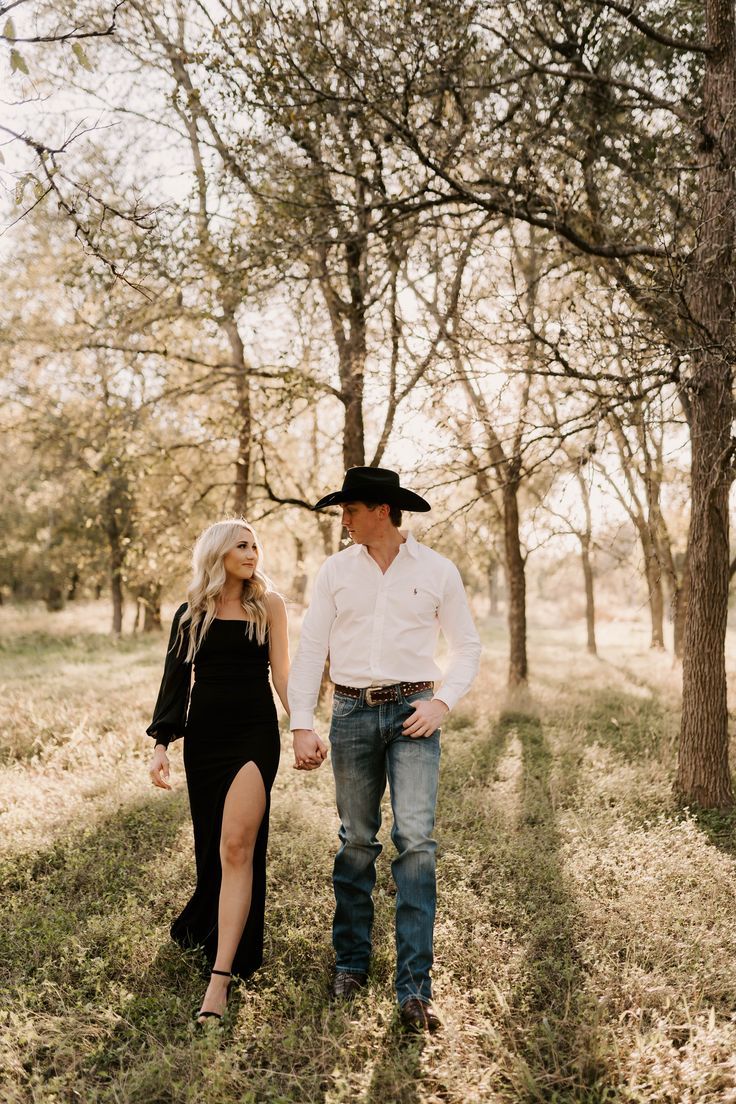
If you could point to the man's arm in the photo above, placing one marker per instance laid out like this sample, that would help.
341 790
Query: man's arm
306 673
462 637
457 625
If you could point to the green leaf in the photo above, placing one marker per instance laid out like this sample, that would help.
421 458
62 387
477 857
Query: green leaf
81 57
9 29
17 64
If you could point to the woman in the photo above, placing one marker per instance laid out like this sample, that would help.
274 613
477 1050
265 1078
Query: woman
230 629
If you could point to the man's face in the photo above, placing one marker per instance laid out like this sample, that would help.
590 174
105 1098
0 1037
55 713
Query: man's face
363 525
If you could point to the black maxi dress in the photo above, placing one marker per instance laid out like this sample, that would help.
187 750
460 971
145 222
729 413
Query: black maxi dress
228 718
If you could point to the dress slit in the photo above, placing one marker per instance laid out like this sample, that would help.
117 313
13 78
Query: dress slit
241 768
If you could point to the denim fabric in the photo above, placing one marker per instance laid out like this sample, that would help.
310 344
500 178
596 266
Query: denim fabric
369 748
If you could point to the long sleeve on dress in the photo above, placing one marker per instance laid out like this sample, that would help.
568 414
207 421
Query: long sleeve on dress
170 713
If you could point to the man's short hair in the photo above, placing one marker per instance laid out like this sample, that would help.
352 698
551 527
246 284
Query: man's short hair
394 512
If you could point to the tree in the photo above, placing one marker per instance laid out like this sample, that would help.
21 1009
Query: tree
570 135
123 470
319 192
46 44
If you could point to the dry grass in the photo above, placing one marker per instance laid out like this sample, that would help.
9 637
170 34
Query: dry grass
585 936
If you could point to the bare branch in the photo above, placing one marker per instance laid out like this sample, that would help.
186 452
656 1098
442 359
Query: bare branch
628 11
66 36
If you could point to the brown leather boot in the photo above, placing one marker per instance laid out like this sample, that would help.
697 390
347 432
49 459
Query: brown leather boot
345 985
418 1016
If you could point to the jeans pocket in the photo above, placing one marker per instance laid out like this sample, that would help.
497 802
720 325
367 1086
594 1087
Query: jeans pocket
420 695
343 706
409 704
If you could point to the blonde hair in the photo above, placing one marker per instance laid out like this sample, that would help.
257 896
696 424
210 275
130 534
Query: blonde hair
208 579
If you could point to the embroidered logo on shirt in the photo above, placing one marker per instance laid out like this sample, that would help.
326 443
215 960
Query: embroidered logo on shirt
420 592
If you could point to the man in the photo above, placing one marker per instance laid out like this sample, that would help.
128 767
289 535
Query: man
377 608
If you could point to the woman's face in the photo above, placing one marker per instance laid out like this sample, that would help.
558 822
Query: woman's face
240 562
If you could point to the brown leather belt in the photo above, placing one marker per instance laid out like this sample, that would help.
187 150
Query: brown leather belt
380 695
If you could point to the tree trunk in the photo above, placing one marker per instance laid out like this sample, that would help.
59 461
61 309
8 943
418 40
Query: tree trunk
679 608
647 523
327 530
71 593
149 607
117 501
353 442
116 586
586 540
241 488
677 589
589 594
242 462
299 586
347 319
492 575
54 599
703 776
656 595
516 586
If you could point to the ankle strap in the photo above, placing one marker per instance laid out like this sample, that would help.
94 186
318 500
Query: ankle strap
222 973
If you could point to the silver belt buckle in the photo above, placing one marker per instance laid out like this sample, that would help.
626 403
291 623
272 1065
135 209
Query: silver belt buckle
369 695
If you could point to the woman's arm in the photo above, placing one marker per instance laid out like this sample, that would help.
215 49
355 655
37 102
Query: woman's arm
170 711
278 653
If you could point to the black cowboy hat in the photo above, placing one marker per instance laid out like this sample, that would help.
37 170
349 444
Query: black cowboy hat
374 485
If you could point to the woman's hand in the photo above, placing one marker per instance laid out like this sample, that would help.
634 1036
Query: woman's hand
309 751
159 768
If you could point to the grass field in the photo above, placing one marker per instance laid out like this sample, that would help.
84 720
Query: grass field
586 933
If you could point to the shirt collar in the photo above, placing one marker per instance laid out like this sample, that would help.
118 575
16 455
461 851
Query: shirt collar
410 544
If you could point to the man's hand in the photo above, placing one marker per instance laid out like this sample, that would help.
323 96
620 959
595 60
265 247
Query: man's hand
309 751
426 718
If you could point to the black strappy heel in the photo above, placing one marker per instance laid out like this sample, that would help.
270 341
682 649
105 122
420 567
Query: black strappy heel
213 1015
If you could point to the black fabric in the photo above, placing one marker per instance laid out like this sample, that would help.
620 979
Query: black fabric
231 721
170 711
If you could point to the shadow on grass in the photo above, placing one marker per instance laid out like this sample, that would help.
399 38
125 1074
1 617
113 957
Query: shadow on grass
631 726
397 1071
278 1037
108 1001
719 826
71 928
52 894
553 1022
471 760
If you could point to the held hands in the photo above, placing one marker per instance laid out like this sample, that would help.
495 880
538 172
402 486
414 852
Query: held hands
425 719
309 751
159 768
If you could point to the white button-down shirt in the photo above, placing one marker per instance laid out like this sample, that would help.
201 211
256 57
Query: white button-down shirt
382 628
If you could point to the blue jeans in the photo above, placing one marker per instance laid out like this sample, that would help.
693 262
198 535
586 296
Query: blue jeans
369 747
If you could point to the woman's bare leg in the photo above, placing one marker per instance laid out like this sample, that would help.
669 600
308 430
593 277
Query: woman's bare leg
242 815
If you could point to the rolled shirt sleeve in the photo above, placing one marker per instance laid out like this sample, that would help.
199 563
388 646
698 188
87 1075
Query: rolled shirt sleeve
309 662
462 637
